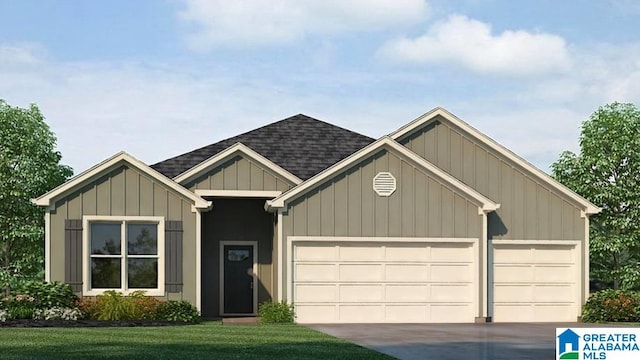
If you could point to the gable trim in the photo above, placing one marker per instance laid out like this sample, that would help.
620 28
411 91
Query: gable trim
589 207
109 164
485 204
235 149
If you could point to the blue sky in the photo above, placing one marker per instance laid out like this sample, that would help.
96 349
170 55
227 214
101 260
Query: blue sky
159 78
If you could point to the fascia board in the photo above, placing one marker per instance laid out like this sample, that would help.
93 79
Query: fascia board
109 164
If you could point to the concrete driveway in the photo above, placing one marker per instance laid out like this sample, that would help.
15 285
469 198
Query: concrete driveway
453 341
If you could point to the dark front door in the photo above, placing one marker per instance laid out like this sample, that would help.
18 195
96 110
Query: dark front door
238 279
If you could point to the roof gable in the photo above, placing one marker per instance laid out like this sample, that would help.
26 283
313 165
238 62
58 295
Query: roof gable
301 145
443 115
108 165
234 150
485 204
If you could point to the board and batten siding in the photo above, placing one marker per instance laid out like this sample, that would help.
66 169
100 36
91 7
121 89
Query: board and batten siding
529 210
240 173
347 205
126 192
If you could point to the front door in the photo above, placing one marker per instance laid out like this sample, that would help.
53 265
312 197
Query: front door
238 278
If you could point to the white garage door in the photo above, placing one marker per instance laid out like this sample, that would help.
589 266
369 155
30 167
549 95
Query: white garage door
536 283
388 282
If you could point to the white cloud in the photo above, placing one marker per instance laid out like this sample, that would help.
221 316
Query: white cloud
471 44
243 23
155 111
20 54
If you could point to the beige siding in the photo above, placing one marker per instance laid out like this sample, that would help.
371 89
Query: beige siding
529 210
421 206
240 173
125 192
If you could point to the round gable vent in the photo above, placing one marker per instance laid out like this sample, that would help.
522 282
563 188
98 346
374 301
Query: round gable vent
384 184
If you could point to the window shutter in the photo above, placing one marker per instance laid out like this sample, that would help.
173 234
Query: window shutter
173 256
73 254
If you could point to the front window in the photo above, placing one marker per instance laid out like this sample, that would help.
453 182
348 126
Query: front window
124 254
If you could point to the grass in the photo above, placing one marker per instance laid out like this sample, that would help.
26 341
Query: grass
209 340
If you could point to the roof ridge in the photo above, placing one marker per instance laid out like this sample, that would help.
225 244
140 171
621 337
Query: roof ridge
301 144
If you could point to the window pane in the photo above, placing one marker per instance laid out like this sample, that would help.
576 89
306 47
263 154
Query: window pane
142 239
105 239
105 273
143 273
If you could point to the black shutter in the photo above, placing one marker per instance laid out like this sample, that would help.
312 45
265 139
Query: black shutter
73 254
173 256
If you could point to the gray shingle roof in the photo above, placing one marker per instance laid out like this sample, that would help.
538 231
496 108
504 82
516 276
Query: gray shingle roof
302 145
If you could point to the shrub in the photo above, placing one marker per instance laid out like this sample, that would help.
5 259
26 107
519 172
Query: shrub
178 311
57 313
3 315
612 305
143 307
47 295
111 305
20 306
276 312
88 308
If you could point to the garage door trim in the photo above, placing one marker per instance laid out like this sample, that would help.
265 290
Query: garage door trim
293 240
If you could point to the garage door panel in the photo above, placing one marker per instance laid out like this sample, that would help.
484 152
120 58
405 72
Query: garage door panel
404 285
513 273
407 272
409 252
551 293
554 274
451 273
360 253
360 272
451 252
316 252
361 293
315 272
361 313
317 313
410 293
554 254
315 292
554 312
407 313
514 293
514 312
451 293
513 254
451 313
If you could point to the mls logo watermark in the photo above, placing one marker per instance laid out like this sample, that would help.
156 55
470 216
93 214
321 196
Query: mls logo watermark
597 343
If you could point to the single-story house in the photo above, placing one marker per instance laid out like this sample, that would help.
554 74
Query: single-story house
435 222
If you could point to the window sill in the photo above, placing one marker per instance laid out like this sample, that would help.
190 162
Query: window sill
147 292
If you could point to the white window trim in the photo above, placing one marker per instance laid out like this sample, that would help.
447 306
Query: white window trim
86 256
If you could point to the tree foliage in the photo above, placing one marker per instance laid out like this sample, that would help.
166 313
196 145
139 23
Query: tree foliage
29 167
606 172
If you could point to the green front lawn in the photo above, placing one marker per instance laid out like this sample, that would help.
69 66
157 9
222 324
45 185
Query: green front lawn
209 340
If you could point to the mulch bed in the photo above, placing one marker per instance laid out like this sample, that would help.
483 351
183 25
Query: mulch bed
86 323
